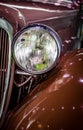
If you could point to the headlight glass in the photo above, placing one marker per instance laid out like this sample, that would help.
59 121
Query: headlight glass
36 49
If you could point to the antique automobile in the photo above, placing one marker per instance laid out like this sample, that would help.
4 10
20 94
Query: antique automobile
41 60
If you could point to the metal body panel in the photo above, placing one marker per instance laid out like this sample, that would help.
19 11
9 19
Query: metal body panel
57 103
59 18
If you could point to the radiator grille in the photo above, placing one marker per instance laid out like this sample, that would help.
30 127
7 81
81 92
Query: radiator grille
4 50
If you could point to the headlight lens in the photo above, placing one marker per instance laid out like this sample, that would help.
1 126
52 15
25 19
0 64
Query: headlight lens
36 48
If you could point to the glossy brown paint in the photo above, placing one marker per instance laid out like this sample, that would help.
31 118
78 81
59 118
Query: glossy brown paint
61 19
33 112
37 12
57 103
13 16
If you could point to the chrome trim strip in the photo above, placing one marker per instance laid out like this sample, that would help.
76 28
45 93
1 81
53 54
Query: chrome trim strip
8 28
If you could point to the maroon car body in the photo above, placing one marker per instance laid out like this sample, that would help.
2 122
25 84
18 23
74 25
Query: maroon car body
51 100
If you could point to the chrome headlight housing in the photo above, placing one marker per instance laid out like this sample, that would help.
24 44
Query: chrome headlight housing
36 48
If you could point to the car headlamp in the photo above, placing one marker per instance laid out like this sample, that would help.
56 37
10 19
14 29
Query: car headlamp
36 48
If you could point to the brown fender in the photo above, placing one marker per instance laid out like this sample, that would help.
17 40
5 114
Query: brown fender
57 103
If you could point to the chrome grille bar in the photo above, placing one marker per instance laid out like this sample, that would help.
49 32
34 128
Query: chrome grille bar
3 59
6 36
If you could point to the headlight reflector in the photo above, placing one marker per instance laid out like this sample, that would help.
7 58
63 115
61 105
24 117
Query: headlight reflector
36 48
